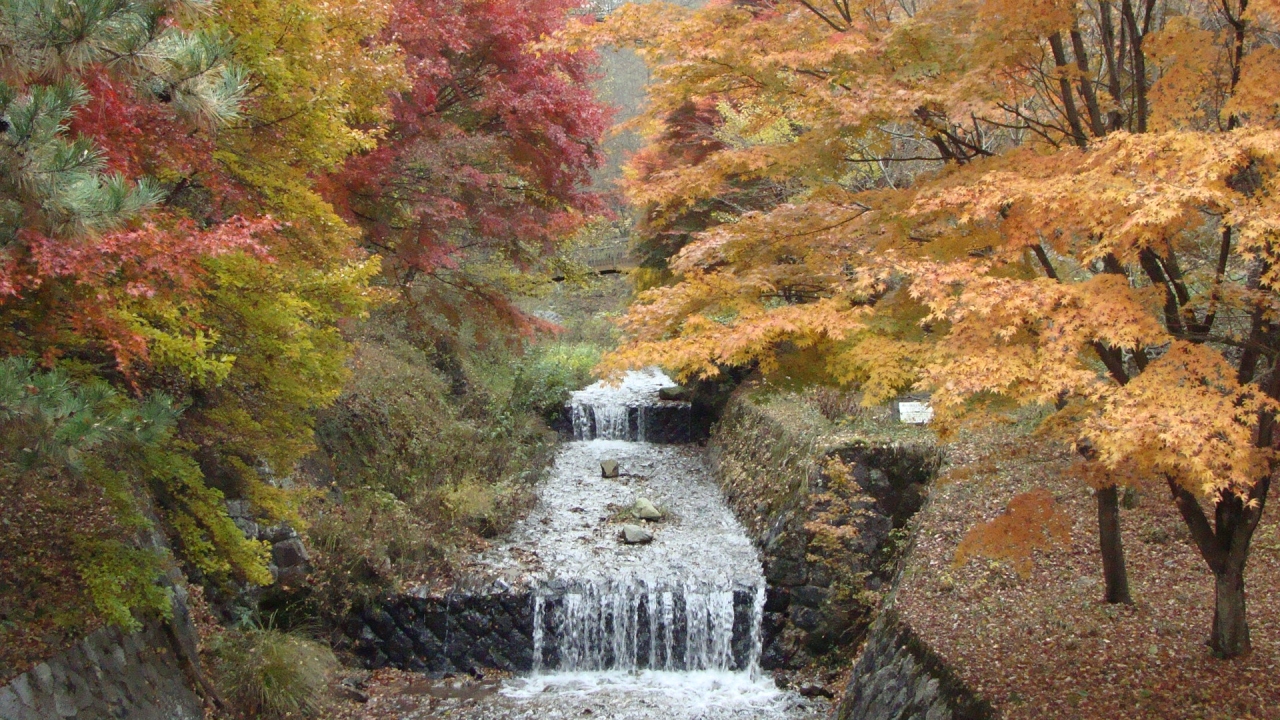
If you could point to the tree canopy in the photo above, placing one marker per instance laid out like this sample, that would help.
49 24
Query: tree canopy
197 201
1060 204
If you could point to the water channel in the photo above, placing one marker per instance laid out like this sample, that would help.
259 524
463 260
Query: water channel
665 629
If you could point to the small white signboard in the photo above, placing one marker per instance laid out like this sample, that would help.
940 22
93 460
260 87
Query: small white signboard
914 412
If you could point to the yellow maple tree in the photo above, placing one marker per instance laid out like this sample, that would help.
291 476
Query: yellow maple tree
1059 203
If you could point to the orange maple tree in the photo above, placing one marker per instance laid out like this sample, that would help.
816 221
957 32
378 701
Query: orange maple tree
1064 204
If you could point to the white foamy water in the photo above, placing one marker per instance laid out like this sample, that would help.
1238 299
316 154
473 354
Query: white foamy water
668 629
617 411
700 694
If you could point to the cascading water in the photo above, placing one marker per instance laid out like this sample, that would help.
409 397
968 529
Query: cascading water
667 629
629 626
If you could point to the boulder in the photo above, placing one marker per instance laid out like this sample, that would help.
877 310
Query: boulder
635 535
814 690
646 510
290 553
609 469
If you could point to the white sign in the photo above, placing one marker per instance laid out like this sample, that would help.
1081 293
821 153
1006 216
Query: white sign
914 413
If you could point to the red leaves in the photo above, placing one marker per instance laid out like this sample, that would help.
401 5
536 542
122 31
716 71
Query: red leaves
142 136
87 286
147 259
492 141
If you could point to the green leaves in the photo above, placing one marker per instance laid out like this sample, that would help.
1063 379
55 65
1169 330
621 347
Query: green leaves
48 419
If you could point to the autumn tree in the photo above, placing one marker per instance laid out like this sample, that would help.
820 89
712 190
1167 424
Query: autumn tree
486 163
1070 207
103 107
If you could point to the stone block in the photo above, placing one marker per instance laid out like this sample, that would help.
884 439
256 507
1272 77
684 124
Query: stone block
290 553
806 619
785 571
12 707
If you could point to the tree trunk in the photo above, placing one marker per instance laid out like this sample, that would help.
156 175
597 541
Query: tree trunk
1230 626
1224 545
1113 567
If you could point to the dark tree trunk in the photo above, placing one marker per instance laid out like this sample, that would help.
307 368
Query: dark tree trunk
1113 567
1224 545
1230 636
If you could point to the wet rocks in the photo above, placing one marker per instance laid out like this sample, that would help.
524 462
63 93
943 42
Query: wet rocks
813 689
457 632
290 561
609 469
644 509
635 535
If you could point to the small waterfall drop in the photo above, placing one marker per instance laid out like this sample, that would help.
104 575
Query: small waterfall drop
681 615
630 626
622 411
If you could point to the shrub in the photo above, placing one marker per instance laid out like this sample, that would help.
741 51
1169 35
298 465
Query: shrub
423 467
548 373
267 673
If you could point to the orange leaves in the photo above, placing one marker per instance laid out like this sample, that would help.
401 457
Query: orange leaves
1193 72
1125 193
725 331
1185 416
1030 340
1032 521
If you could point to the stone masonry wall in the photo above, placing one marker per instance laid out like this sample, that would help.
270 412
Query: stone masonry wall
897 677
828 531
109 674
459 632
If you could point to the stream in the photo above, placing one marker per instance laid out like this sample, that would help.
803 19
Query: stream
667 629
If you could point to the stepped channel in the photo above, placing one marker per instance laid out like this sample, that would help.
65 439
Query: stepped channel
666 629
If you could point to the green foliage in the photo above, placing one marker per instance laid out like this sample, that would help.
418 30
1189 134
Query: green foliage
58 435
270 674
50 420
120 580
74 513
546 375
47 43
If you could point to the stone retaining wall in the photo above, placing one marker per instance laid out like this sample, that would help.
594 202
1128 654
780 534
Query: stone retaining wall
109 674
898 677
467 632
459 632
829 534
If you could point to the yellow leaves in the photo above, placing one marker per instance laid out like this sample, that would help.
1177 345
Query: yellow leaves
1033 259
729 332
1185 416
1255 99
1032 341
1032 521
1126 193
882 367
1194 75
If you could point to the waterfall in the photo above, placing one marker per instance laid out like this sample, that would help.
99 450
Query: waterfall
632 625
595 420
605 411
670 628
695 606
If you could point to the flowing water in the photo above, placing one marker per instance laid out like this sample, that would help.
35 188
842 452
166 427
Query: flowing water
667 629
